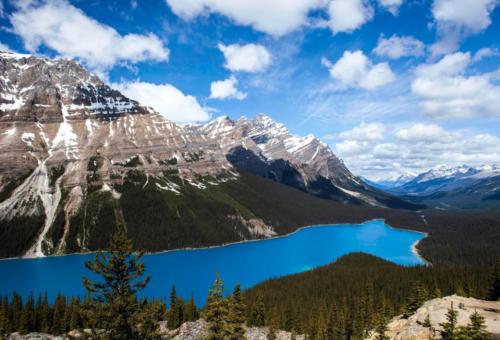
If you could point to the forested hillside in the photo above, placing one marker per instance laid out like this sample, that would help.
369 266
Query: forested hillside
358 292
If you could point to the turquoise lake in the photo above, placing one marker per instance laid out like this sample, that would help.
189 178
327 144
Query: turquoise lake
193 271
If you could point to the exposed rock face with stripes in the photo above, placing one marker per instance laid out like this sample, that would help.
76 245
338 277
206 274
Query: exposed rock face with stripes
267 148
62 128
66 137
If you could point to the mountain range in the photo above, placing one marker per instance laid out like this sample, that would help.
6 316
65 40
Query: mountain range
78 157
448 187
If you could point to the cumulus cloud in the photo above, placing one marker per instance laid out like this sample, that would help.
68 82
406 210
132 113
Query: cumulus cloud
354 69
424 133
276 17
415 148
364 132
391 5
246 58
456 19
484 53
348 15
223 89
447 91
70 32
397 47
166 99
279 17
348 148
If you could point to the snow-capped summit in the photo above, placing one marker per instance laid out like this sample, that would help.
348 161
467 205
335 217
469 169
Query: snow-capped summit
68 139
460 172
63 131
444 171
267 148
395 180
456 186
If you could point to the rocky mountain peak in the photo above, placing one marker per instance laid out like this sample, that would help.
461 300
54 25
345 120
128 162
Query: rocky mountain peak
52 90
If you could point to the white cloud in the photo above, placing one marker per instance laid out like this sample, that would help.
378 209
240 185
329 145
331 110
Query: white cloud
364 132
247 58
354 69
352 147
222 89
485 52
391 5
348 15
166 99
279 17
276 17
424 133
397 47
456 19
416 148
447 91
71 33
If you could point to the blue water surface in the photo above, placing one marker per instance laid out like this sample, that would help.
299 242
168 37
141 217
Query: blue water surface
193 271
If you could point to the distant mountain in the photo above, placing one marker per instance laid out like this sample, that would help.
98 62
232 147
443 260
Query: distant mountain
392 182
77 156
266 148
455 187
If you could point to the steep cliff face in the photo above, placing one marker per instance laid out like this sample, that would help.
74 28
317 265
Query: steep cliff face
64 131
266 148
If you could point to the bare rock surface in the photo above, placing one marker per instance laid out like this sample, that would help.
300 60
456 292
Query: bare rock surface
197 330
436 309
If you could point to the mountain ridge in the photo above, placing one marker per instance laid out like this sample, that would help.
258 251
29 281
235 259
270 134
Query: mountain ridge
71 145
448 187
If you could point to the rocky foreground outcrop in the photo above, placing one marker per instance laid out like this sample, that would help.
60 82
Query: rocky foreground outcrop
198 330
188 331
413 329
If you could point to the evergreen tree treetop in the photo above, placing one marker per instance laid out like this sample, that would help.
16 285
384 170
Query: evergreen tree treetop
113 306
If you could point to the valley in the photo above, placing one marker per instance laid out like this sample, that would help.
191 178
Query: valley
322 251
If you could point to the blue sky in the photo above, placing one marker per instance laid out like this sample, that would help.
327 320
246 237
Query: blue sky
392 85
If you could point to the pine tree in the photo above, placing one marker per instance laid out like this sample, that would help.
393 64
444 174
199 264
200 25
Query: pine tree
114 306
175 315
75 321
148 317
381 329
216 311
4 317
45 315
15 311
190 310
38 307
418 297
449 331
58 317
28 316
259 312
427 322
494 286
236 315
476 329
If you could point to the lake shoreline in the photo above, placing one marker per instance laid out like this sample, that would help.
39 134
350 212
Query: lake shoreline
413 248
